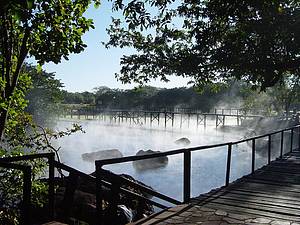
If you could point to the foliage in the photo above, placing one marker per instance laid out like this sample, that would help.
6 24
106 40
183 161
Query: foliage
275 100
281 98
24 136
209 41
44 96
45 30
147 97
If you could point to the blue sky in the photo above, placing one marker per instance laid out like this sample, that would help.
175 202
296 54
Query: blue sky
96 66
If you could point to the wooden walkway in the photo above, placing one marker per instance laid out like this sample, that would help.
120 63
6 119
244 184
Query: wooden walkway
271 195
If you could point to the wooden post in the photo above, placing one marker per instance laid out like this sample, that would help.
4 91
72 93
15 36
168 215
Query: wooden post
228 164
269 149
197 120
217 118
292 136
186 176
180 120
51 186
26 206
281 144
204 121
173 121
165 119
253 156
299 138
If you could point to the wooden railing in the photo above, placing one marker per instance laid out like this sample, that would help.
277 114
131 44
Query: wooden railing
118 184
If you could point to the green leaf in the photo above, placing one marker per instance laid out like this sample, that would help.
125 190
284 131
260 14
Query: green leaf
30 4
39 68
97 4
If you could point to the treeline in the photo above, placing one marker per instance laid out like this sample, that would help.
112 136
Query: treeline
47 95
148 97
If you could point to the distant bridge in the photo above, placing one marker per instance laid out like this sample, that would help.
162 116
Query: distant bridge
180 117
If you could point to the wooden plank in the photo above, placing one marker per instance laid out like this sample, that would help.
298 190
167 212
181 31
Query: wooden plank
274 194
253 196
266 202
267 186
270 181
283 170
250 211
276 197
277 179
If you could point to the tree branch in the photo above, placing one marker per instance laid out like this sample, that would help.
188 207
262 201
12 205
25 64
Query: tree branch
21 58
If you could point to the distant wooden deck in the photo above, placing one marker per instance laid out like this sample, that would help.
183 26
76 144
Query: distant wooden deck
271 195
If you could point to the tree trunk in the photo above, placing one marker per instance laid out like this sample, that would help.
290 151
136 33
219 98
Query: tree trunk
3 116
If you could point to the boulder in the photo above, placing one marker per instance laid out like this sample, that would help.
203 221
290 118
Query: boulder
153 163
183 141
102 154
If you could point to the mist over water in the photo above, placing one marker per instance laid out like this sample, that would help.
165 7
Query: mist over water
208 166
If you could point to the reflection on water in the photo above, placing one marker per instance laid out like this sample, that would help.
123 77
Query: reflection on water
208 166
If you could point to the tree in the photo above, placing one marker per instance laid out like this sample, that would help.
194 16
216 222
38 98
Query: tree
46 30
209 41
44 96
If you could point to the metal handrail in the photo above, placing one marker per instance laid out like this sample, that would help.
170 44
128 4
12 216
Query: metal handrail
187 159
9 162
25 207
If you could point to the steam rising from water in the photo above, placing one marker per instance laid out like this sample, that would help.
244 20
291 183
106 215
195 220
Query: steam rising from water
208 166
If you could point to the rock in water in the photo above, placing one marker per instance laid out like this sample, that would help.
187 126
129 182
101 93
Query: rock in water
146 164
103 154
183 141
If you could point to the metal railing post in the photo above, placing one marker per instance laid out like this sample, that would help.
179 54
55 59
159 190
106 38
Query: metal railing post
186 176
253 156
269 148
51 159
115 198
68 199
228 164
26 205
99 194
